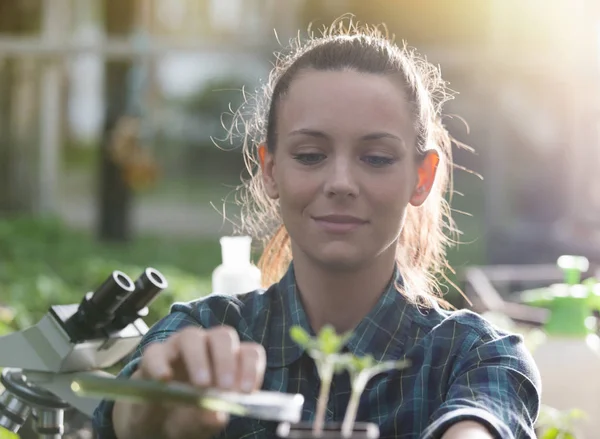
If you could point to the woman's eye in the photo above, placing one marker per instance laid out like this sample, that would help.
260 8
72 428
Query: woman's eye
378 161
309 158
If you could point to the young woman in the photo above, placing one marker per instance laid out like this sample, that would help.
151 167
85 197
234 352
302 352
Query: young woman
350 166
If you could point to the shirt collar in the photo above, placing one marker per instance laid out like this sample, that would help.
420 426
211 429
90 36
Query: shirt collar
381 333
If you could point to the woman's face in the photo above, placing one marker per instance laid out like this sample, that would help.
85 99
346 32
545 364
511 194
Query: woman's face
345 167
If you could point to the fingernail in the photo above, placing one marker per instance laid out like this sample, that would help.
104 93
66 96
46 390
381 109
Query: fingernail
226 381
246 386
202 378
221 417
163 374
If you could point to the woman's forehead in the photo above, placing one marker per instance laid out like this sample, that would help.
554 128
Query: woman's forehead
345 99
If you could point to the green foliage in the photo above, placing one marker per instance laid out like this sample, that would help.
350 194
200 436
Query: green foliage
326 349
362 370
555 433
43 263
5 434
556 424
327 342
300 336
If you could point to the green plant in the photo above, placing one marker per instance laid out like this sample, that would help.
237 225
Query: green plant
556 424
325 349
361 370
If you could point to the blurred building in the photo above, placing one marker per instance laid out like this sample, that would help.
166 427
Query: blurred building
527 73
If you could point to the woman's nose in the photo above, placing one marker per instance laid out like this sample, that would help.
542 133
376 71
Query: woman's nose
340 179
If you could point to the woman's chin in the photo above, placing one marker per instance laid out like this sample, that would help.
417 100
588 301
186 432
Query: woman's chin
341 257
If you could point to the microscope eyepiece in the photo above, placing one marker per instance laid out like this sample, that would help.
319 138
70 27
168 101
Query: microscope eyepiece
114 305
112 293
97 310
149 285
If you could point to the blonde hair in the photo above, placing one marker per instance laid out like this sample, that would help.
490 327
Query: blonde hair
428 229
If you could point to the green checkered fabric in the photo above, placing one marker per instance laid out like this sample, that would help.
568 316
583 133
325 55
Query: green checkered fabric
462 368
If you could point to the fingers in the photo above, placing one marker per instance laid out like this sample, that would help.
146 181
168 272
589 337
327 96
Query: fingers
205 358
192 347
156 362
251 366
224 347
216 357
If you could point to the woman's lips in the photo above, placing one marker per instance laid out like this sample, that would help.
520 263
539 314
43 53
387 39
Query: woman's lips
339 223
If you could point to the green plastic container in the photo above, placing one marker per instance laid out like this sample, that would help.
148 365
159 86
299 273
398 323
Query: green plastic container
569 358
571 303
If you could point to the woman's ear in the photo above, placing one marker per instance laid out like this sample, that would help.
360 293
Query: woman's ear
267 166
426 176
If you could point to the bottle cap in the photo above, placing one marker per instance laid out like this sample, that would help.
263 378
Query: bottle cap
236 250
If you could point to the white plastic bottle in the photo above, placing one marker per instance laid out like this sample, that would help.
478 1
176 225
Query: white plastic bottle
236 274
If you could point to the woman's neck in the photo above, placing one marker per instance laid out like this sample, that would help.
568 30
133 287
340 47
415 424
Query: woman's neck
341 298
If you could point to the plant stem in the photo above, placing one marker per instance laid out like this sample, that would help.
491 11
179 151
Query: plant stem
358 386
359 383
350 416
326 376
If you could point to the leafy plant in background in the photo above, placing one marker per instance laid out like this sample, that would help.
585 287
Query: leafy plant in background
325 349
556 424
43 263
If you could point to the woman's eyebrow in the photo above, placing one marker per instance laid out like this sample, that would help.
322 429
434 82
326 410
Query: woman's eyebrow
308 132
321 135
382 135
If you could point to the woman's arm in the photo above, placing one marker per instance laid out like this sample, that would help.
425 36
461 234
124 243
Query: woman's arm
467 430
495 384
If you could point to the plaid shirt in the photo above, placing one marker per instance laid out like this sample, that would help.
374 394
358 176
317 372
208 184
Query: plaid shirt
462 368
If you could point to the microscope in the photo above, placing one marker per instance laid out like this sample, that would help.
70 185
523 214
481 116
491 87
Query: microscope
40 363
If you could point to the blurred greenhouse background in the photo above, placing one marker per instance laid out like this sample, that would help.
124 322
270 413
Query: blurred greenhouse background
112 150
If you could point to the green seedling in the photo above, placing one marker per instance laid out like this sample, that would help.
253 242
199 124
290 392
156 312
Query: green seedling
326 349
362 370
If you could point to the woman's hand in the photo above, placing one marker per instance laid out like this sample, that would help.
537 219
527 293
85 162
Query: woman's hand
201 357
